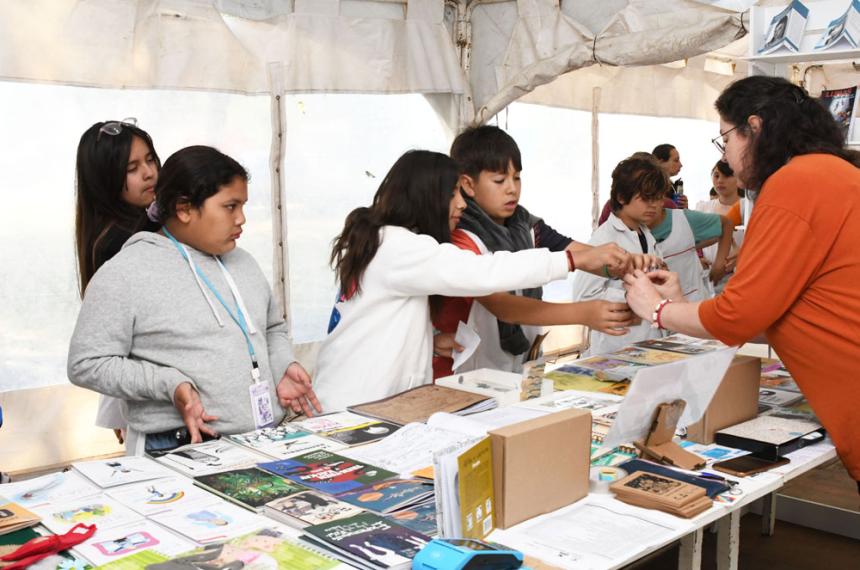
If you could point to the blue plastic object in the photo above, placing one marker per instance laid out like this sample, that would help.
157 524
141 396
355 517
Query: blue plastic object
465 554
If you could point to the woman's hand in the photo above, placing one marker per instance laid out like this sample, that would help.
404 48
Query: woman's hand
295 391
608 318
645 291
445 345
615 259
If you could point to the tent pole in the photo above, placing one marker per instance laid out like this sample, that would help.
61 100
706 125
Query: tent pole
595 157
280 253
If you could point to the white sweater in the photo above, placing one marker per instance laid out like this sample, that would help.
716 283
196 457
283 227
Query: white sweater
384 341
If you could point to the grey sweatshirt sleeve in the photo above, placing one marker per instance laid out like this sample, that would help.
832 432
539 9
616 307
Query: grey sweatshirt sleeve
281 353
99 351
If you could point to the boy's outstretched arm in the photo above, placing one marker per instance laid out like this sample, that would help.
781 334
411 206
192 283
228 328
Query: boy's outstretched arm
718 268
606 317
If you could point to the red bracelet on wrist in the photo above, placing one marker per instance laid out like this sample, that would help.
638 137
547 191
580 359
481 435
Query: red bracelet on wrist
655 316
571 266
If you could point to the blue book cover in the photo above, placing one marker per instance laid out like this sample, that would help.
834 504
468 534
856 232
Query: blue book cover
420 518
387 496
327 472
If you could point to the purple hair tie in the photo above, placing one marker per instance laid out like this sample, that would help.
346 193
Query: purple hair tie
152 212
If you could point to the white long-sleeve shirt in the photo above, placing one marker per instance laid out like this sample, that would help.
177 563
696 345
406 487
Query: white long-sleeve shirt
384 341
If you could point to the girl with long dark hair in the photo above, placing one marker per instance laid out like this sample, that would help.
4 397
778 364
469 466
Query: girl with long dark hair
798 269
391 259
116 173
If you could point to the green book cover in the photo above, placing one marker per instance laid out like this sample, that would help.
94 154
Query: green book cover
250 487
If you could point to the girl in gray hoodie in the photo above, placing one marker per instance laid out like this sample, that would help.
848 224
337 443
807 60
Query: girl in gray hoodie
183 325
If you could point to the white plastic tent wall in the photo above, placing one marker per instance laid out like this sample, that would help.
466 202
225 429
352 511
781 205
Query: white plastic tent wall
469 58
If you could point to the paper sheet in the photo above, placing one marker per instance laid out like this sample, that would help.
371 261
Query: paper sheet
469 340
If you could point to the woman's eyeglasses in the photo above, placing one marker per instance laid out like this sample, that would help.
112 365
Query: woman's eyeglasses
718 140
114 128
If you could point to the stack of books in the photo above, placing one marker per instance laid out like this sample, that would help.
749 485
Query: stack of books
653 491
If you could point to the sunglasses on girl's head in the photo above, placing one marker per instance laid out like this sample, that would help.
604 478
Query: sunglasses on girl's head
114 128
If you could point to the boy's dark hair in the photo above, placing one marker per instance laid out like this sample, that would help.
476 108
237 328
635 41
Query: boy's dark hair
792 124
637 176
191 175
485 148
663 151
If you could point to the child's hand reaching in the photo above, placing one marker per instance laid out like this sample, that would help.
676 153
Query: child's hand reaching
609 258
445 345
608 318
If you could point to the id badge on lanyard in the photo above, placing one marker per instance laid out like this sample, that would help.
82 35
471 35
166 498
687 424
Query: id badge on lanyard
261 402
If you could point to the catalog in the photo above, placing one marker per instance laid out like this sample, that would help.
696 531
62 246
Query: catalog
117 543
309 508
250 487
214 522
209 457
786 29
327 472
267 548
100 510
121 470
53 488
845 29
370 540
840 103
160 495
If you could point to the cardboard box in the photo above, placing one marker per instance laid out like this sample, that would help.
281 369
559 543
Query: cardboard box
735 401
540 465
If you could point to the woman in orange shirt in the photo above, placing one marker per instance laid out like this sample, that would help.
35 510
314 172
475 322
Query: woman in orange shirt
798 270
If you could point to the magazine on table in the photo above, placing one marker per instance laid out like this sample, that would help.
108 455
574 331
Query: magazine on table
369 541
251 487
121 470
327 472
214 522
362 433
208 457
263 439
145 540
159 495
332 421
100 510
388 496
53 488
309 508
786 29
264 549
845 29
420 518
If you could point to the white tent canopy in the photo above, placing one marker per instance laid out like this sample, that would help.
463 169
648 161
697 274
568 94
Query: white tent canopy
469 58
489 52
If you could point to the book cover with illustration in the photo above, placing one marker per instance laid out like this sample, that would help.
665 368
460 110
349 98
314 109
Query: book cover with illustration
117 544
840 103
264 549
309 508
327 472
251 488
120 470
100 510
214 522
53 488
159 495
208 457
610 368
261 439
786 29
647 356
372 539
420 518
475 490
671 346
332 421
388 496
572 377
362 433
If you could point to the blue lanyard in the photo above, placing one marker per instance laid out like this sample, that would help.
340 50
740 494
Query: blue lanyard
238 318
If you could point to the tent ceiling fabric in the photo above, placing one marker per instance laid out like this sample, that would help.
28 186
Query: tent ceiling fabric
364 46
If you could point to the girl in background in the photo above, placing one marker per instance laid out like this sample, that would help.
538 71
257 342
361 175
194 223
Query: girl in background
116 172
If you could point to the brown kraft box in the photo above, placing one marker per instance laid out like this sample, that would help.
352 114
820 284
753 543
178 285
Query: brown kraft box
735 401
540 465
